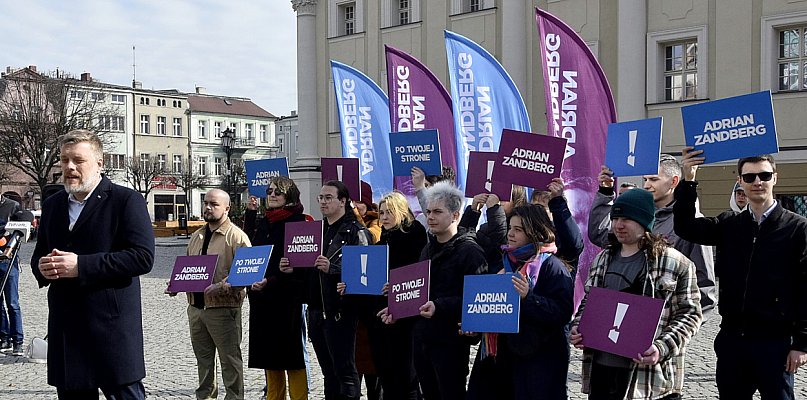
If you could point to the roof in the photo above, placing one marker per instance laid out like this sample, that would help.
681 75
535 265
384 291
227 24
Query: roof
226 105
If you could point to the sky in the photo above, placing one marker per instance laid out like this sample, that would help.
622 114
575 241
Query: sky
243 48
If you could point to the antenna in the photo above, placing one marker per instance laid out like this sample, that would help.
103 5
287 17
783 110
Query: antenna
134 67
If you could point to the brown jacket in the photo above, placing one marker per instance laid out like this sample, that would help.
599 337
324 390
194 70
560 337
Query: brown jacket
226 239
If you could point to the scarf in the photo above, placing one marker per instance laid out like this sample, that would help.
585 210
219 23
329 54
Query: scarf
279 214
528 264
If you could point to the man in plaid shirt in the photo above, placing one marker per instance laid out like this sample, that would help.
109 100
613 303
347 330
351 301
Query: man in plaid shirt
643 264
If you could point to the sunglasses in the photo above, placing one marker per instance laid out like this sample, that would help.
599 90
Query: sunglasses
752 177
275 190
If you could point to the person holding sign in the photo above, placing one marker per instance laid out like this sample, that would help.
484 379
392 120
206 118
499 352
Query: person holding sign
214 316
661 186
642 263
441 354
762 266
276 326
332 324
534 361
391 344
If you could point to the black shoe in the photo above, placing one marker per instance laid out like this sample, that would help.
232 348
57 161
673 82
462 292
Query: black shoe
17 350
5 347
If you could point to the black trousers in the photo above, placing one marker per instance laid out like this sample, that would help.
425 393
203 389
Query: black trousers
391 347
334 341
442 367
132 391
745 365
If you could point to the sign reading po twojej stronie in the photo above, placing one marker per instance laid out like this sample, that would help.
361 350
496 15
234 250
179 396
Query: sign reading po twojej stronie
731 128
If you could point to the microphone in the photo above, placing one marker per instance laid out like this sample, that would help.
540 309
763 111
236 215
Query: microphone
18 229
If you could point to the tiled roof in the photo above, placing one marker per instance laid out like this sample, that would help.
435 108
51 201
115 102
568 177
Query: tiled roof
226 105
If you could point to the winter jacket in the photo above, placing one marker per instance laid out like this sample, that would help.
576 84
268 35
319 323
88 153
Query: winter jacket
762 267
491 236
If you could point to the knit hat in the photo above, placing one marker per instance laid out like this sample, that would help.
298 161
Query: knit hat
366 194
637 205
738 188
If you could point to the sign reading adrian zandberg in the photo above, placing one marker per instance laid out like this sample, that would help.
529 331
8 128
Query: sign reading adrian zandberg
303 243
192 273
260 171
731 128
490 304
529 160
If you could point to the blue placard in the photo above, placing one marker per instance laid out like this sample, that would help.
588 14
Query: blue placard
633 147
490 304
364 269
249 265
731 128
415 149
260 171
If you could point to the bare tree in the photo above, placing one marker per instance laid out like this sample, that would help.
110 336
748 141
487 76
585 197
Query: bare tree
144 174
188 179
36 109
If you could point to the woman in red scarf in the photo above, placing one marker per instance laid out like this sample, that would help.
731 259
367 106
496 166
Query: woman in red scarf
533 363
277 330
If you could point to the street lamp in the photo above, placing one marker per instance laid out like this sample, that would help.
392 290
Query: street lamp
227 144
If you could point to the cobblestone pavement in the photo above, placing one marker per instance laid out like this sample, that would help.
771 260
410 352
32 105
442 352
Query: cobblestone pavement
171 366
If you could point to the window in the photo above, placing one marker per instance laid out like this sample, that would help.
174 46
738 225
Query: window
403 12
248 131
144 160
177 163
177 126
234 128
114 161
203 165
472 5
347 13
76 95
280 140
96 96
264 130
202 129
792 59
144 124
160 102
680 70
16 114
217 129
111 123
217 166
144 100
119 98
161 161
161 126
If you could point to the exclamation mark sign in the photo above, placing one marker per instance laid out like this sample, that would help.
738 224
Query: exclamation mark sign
364 269
339 172
489 175
631 147
621 309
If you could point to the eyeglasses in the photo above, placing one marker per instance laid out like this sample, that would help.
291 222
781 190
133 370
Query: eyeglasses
276 190
752 177
326 198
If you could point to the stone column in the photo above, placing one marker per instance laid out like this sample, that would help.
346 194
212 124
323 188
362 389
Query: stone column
631 60
306 167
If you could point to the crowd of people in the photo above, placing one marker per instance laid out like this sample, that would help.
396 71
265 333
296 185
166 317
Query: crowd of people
654 242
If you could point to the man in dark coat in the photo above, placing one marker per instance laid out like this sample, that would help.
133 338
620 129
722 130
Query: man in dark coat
94 241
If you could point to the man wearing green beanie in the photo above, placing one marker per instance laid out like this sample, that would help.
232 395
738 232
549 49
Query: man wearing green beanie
642 263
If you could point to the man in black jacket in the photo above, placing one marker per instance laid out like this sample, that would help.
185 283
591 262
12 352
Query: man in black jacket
441 354
763 281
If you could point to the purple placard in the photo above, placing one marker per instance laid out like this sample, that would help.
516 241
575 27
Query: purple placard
303 243
408 289
192 273
528 159
619 323
480 176
345 170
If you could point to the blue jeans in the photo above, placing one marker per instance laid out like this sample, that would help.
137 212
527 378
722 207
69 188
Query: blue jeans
11 321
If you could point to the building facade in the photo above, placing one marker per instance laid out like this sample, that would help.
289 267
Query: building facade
253 128
658 55
286 136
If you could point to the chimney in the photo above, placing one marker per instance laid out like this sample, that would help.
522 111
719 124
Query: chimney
201 90
86 77
32 67
137 85
293 113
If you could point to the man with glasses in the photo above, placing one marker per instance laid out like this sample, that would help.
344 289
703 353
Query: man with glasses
763 281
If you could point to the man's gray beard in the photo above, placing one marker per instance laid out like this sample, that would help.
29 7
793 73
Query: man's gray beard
85 187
